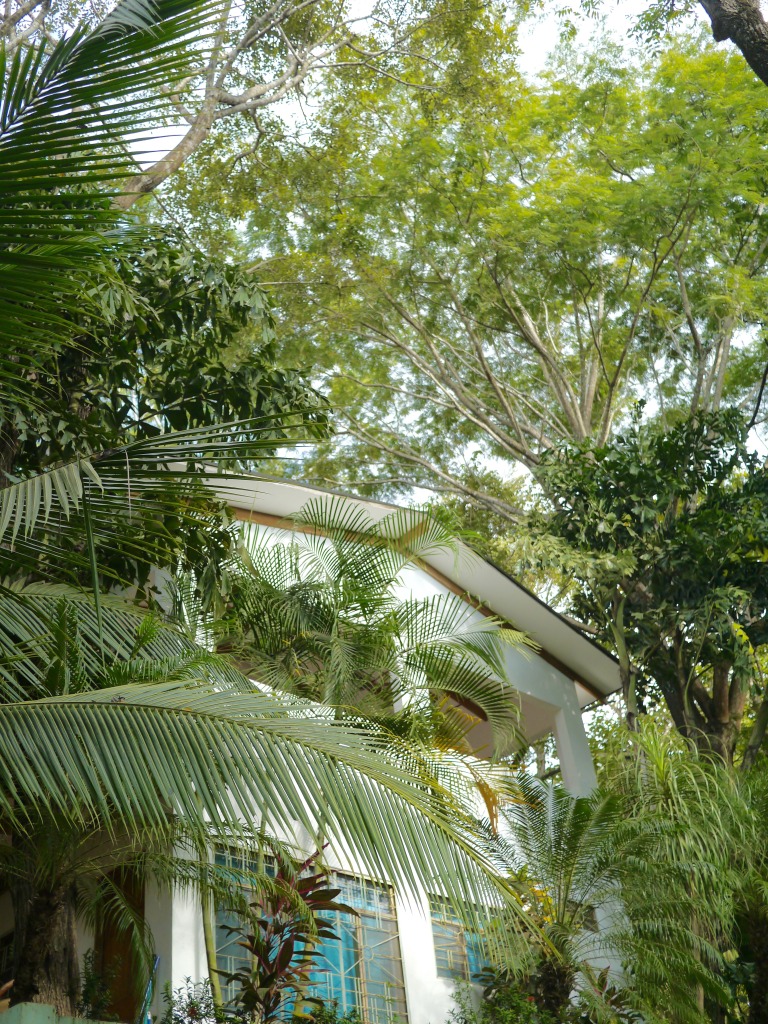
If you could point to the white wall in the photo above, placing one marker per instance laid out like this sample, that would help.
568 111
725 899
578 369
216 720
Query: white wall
177 923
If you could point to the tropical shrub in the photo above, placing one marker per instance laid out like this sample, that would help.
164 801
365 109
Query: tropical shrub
502 1003
279 935
190 1003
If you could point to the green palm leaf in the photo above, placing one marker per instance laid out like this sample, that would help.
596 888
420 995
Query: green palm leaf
140 752
190 741
322 614
66 113
154 476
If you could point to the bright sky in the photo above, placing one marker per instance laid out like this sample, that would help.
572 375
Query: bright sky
538 39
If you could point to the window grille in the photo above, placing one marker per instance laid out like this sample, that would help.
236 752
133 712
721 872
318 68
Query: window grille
362 970
459 951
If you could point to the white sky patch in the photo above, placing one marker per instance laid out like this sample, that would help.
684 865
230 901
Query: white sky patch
539 38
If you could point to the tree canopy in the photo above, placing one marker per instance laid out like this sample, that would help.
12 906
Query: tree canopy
487 274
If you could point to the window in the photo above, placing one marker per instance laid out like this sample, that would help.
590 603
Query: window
459 951
362 970
229 955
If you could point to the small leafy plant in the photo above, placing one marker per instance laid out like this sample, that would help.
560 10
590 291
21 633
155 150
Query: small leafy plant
329 1014
504 1002
190 1003
280 936
96 992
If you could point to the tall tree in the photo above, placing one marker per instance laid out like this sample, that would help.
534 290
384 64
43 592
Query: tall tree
665 535
490 272
503 269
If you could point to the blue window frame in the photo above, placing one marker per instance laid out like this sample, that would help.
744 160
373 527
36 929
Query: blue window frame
361 970
459 951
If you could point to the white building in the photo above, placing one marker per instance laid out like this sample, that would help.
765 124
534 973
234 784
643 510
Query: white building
397 961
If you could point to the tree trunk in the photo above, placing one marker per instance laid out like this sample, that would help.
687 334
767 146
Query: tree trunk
148 180
742 22
46 963
720 739
9 446
758 941
756 736
554 985
209 935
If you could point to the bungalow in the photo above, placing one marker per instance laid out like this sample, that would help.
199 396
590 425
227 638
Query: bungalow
399 959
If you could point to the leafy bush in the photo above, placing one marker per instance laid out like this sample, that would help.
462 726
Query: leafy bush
96 992
508 1004
190 1003
279 937
329 1014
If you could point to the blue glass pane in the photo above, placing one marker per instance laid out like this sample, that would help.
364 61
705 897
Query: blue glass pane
336 979
477 957
460 951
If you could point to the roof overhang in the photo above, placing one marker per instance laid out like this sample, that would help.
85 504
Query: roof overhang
274 502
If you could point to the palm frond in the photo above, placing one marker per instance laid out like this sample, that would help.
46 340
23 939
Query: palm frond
321 612
154 478
67 111
141 752
208 748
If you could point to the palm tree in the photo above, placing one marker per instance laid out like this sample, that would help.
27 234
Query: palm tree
619 901
720 840
114 731
319 612
324 612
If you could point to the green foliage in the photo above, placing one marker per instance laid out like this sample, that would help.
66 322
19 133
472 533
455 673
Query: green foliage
168 341
330 1015
56 232
95 994
665 533
190 1003
502 1003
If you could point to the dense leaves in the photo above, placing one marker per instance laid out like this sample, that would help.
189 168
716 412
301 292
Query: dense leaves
666 533
484 270
167 340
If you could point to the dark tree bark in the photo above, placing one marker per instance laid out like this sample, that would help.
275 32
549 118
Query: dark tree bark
741 22
46 964
711 720
756 736
554 985
757 929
